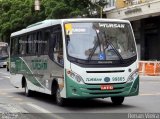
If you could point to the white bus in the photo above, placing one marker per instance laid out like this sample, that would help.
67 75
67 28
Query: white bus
3 54
76 58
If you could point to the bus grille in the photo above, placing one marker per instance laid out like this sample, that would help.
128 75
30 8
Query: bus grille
96 90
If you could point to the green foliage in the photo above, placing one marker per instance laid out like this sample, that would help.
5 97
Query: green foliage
17 14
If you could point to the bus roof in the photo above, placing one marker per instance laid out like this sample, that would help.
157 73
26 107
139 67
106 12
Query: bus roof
50 22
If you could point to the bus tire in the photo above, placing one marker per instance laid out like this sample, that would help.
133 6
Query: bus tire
117 100
59 100
27 92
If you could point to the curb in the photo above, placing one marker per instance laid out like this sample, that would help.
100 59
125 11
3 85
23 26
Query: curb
150 78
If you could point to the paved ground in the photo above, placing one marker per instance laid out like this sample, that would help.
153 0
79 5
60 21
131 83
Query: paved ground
13 102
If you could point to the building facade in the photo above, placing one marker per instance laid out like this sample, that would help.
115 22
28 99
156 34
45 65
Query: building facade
111 4
145 18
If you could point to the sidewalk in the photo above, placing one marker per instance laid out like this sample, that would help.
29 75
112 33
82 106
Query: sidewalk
150 78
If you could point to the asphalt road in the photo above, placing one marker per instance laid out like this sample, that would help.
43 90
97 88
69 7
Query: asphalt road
15 105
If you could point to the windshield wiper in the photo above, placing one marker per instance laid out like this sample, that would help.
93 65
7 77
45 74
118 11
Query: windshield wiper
93 50
116 51
98 44
95 47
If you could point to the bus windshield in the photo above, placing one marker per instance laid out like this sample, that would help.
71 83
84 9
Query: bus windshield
100 41
3 51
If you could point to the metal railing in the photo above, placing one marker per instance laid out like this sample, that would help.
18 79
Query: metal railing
149 68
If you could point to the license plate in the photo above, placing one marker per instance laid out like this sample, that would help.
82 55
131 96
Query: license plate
106 87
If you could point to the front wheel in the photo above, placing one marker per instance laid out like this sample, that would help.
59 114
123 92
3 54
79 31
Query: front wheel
117 100
59 100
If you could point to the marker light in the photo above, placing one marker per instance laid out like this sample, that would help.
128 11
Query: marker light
133 76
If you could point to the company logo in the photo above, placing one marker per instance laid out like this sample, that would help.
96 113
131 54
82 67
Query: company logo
93 79
111 25
39 64
106 79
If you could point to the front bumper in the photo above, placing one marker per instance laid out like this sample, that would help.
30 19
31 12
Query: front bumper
75 90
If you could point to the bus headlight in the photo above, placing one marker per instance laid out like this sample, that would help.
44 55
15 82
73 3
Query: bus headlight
75 76
133 76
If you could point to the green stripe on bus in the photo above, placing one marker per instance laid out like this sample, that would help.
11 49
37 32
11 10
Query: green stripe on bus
22 68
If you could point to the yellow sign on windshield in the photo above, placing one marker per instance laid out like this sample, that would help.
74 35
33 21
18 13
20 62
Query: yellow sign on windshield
68 28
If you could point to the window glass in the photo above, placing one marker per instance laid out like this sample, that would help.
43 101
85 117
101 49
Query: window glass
45 41
58 49
3 51
42 42
14 46
39 39
100 41
56 45
31 44
22 45
34 43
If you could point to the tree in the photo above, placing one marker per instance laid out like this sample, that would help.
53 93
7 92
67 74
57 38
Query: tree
18 14
15 15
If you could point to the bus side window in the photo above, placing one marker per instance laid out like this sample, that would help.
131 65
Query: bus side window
58 47
14 46
52 43
30 44
39 39
42 42
22 45
45 40
35 42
